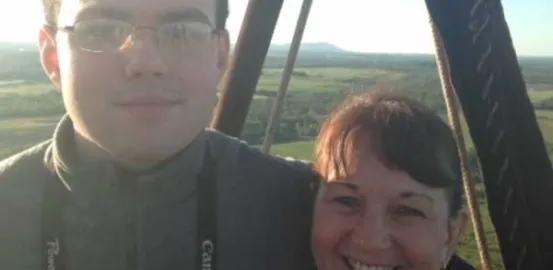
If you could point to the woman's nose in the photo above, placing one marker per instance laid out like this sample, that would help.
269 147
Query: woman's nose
371 233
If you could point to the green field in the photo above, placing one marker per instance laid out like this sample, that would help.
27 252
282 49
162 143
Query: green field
325 79
19 88
17 134
540 95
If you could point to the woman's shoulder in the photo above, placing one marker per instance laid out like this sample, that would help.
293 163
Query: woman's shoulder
457 263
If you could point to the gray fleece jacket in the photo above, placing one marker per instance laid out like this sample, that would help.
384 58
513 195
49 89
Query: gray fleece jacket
147 221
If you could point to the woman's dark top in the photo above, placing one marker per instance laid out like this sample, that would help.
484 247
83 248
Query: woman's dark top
457 263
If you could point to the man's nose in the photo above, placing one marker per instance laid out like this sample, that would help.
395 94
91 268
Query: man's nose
145 57
371 233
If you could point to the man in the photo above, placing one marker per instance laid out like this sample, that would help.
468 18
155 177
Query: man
131 179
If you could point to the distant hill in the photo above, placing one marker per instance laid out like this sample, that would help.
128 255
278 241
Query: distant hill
305 48
320 47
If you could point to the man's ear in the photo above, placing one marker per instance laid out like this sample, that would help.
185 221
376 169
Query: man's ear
49 56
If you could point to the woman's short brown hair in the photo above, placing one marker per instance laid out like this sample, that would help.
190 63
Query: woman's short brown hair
404 134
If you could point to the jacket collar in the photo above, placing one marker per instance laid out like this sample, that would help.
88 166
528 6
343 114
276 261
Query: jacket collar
61 158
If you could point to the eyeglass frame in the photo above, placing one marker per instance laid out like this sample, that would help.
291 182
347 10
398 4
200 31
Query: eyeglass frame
71 30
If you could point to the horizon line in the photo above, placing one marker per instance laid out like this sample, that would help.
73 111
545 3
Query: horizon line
544 55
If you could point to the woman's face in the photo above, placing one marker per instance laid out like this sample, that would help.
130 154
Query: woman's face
382 219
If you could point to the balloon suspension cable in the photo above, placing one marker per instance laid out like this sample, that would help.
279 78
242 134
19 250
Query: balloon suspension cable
274 118
468 182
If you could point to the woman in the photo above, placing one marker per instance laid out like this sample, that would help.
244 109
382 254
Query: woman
391 195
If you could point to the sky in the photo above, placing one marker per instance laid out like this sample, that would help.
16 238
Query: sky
383 26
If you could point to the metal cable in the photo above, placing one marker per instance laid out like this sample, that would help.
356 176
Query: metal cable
276 111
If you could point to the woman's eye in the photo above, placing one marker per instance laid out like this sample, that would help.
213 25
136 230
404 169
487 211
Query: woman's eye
406 211
347 201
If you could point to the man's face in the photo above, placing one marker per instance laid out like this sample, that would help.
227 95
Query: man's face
140 97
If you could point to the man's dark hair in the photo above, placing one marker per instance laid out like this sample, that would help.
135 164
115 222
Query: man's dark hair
52 8
403 133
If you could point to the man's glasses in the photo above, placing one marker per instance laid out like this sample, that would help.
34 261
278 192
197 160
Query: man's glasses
108 35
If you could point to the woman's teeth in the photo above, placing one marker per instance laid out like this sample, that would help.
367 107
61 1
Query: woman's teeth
357 265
